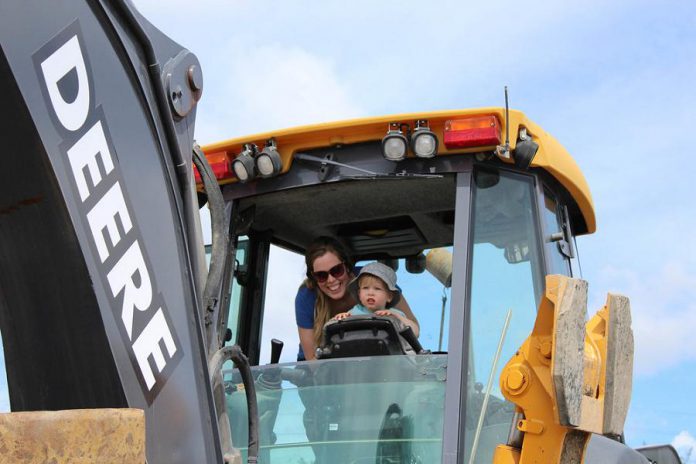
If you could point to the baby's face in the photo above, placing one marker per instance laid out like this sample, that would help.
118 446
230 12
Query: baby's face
374 294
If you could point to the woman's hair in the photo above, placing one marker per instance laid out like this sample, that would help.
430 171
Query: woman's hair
319 247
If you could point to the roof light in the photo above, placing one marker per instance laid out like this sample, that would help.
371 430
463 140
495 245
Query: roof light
423 140
219 163
244 166
474 131
525 150
394 144
268 162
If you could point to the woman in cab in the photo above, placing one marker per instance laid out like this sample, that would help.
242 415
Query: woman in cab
324 293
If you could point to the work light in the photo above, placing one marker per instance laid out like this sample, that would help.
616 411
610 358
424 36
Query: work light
423 140
268 162
394 144
243 165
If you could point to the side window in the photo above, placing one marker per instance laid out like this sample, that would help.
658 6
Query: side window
506 285
286 272
555 243
235 289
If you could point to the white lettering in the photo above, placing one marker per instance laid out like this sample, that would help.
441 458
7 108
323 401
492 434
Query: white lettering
122 276
103 216
148 344
68 86
84 155
72 115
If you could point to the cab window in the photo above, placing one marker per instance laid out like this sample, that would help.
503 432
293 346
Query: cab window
506 286
555 239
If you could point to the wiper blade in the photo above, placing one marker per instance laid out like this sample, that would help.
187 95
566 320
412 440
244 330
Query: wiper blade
316 159
369 174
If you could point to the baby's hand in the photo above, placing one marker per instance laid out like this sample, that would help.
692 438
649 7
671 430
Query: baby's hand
340 316
384 312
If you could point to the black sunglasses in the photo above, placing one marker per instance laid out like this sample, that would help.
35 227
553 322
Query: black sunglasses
336 272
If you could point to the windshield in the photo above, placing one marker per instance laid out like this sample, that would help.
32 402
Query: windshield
392 408
380 409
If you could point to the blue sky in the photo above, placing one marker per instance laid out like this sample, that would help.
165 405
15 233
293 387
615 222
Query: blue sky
612 81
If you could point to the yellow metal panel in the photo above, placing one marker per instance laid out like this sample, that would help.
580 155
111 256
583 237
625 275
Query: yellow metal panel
551 156
566 378
74 436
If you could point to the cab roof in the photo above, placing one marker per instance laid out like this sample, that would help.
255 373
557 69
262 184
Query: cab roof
551 157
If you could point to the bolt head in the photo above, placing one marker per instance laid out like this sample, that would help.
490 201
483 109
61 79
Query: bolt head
515 379
195 78
545 348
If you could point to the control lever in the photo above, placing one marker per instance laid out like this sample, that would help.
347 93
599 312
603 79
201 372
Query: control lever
270 378
412 340
276 349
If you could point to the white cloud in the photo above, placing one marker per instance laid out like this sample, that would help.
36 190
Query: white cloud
685 444
663 306
272 87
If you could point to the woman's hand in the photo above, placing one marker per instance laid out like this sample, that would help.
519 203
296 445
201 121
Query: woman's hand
340 316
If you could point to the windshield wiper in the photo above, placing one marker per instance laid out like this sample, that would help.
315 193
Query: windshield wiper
368 174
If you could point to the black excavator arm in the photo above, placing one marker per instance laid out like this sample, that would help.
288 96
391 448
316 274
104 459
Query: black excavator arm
101 262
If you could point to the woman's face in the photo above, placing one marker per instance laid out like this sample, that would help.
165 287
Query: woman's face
333 287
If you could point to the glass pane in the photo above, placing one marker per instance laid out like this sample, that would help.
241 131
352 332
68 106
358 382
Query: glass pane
506 277
286 271
235 292
428 298
353 410
557 261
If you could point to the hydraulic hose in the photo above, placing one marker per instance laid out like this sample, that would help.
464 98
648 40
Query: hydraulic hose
220 246
234 353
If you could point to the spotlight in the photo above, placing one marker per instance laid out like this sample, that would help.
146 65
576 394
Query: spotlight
243 165
525 150
416 264
423 140
268 163
394 144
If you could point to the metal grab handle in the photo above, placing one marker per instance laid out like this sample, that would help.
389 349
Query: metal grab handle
234 353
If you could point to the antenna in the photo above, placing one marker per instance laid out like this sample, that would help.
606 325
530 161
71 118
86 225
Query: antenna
503 151
507 123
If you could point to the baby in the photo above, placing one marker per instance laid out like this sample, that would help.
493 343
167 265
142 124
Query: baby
375 288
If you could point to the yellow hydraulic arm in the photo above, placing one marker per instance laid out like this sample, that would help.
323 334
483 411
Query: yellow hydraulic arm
570 378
